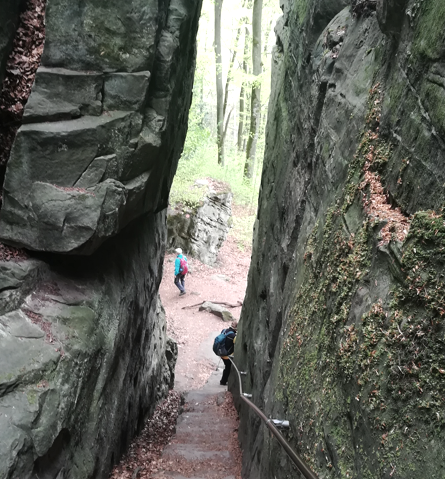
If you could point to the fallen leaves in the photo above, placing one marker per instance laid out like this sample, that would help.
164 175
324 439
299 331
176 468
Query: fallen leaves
20 72
144 454
212 467
44 325
9 253
377 206
375 200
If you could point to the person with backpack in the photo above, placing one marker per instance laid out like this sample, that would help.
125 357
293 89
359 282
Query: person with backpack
181 269
223 346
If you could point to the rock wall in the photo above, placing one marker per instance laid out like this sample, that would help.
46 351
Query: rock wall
102 138
84 352
342 325
84 355
201 231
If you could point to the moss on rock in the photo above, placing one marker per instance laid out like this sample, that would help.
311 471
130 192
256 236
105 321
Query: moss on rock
368 369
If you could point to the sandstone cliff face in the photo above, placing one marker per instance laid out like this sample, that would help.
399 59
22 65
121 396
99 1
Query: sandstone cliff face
341 330
202 230
105 123
83 347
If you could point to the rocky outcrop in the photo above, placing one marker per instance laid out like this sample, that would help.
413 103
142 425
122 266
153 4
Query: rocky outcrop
341 331
201 231
84 351
99 123
84 360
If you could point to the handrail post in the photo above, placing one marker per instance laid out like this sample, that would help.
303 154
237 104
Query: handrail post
295 458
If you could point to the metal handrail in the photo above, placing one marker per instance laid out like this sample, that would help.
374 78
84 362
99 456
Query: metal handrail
295 458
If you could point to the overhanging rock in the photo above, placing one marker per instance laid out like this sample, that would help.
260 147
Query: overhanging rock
84 352
109 101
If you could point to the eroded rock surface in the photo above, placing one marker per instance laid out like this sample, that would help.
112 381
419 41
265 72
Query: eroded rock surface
342 325
84 356
202 230
84 353
108 108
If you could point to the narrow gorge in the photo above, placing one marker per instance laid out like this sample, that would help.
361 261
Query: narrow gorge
341 330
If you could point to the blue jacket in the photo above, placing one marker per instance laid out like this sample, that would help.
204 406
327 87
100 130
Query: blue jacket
178 263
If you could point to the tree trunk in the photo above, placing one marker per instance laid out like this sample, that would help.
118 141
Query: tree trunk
229 77
255 111
232 61
242 94
219 83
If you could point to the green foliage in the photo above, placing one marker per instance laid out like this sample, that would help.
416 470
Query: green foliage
199 160
242 227
200 154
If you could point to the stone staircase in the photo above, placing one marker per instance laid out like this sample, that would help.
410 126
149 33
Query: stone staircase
206 435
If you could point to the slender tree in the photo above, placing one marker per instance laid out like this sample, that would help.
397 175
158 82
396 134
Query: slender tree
242 94
219 83
255 110
234 51
232 62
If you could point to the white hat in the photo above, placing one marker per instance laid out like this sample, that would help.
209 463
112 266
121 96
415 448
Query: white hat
178 250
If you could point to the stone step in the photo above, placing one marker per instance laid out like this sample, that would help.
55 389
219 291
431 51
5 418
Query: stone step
203 434
206 418
196 436
173 475
193 452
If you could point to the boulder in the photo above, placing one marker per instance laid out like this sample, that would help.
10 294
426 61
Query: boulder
97 121
102 36
63 216
84 360
84 351
126 91
16 279
61 94
217 310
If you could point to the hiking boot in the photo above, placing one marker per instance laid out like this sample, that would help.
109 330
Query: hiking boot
182 293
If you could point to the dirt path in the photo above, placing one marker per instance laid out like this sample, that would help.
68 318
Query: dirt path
158 454
195 330
205 444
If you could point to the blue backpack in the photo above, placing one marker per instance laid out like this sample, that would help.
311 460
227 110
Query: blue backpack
219 345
